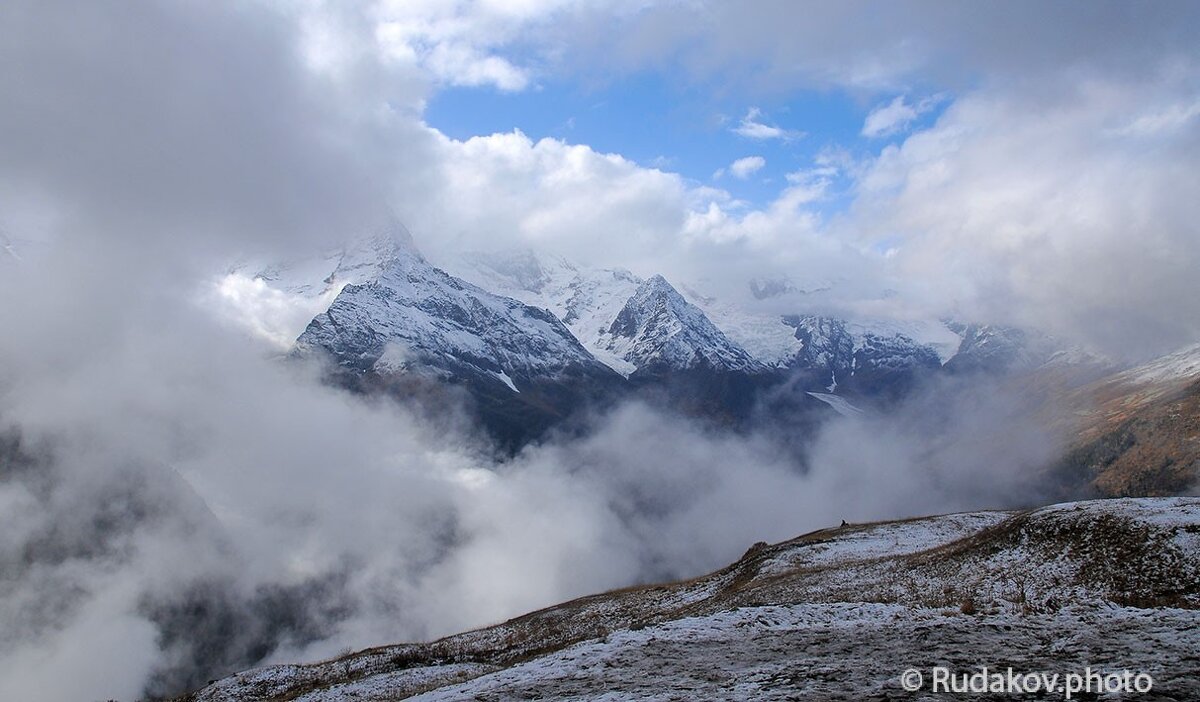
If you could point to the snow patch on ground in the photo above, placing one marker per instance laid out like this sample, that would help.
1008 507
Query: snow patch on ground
839 652
503 377
839 404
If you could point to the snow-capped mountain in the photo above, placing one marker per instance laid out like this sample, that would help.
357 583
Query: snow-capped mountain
825 345
1040 358
725 335
397 323
408 314
532 337
587 300
360 260
629 323
644 329
990 347
657 330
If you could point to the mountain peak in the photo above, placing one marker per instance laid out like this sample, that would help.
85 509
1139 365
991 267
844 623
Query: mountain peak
368 256
657 327
656 307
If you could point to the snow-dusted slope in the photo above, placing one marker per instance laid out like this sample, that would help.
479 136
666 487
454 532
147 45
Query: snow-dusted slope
1135 431
1118 396
997 348
837 614
1183 365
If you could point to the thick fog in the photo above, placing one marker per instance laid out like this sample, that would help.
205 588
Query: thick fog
180 502
177 500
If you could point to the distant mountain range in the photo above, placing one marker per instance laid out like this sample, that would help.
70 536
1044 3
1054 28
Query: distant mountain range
530 341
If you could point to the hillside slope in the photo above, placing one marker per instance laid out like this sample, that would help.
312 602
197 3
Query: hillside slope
832 615
1138 430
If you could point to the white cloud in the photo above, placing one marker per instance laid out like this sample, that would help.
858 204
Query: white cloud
1031 209
784 46
1165 120
894 117
462 43
752 126
506 190
743 168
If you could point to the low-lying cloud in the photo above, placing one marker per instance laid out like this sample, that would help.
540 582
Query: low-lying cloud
179 493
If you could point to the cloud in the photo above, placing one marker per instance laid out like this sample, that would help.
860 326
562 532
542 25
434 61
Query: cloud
459 43
770 48
509 191
752 127
1167 119
1066 222
451 61
743 168
126 127
894 117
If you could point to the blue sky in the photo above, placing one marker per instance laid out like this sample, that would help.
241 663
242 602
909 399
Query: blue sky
660 121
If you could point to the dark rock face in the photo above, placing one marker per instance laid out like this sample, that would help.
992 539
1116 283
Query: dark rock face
828 347
889 367
873 364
